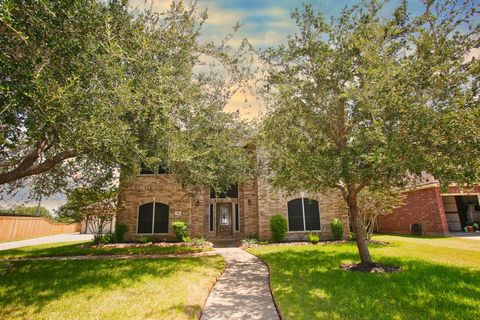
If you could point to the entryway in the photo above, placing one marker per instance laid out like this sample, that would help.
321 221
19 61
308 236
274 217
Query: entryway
224 220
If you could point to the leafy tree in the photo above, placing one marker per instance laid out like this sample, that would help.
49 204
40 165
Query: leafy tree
368 100
88 87
96 207
375 203
31 211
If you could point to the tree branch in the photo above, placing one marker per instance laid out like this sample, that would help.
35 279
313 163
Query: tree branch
27 167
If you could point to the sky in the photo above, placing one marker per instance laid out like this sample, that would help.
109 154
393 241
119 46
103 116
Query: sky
265 23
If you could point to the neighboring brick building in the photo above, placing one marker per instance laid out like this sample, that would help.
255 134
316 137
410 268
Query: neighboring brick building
438 213
151 202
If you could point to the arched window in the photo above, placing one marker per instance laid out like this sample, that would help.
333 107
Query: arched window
153 217
303 215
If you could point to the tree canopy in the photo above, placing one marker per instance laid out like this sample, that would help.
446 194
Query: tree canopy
369 99
89 88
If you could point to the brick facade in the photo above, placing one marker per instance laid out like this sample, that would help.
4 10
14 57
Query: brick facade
424 206
257 203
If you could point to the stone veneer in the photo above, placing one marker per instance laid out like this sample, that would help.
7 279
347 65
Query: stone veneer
258 202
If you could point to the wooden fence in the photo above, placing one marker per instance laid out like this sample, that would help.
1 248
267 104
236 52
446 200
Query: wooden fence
21 227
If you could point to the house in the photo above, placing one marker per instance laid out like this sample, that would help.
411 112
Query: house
438 212
152 201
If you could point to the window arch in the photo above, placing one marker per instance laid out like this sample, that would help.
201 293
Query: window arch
303 215
153 217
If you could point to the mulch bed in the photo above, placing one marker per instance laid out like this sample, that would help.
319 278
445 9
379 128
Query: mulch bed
371 268
306 243
149 244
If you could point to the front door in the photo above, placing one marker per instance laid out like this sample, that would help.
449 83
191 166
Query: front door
224 219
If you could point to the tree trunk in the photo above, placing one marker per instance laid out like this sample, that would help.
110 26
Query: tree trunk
359 229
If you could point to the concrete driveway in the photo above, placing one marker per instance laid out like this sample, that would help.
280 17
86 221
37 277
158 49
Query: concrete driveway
466 235
66 237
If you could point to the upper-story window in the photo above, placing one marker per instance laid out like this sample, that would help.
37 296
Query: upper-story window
159 169
232 193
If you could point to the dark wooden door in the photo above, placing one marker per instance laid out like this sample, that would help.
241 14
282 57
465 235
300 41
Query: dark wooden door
224 219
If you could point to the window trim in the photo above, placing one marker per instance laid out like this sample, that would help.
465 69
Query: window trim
236 210
303 215
153 219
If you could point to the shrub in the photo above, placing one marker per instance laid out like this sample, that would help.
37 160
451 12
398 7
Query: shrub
5 267
352 236
103 238
146 239
313 238
120 231
249 241
278 226
337 229
201 241
180 228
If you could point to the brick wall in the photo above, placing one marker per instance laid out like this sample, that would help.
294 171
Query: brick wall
424 206
258 202
271 202
164 189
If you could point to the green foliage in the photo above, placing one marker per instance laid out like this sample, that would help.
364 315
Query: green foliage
278 227
368 99
424 261
200 241
146 239
351 237
120 231
103 238
5 267
249 241
30 211
337 229
90 89
313 238
187 281
84 249
180 229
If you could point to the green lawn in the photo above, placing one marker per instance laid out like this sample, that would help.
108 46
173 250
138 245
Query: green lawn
108 289
441 280
74 249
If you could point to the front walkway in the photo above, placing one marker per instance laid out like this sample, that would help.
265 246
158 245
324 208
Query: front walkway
66 237
243 290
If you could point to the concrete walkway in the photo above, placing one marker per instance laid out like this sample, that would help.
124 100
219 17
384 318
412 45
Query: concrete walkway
243 291
67 237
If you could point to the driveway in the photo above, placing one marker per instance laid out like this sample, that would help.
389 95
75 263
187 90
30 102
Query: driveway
66 237
466 235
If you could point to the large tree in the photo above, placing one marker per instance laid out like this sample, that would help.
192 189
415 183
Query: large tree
89 88
372 98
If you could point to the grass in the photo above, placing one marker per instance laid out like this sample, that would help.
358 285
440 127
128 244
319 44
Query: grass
440 280
74 249
108 289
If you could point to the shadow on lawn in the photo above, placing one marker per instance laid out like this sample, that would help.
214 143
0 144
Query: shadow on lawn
308 284
33 284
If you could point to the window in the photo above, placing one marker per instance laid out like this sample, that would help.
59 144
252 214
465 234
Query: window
237 217
211 218
224 218
160 169
232 193
153 217
303 215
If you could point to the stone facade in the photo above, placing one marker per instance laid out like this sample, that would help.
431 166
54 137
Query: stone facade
257 202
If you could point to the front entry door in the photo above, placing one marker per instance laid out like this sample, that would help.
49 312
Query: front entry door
224 219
